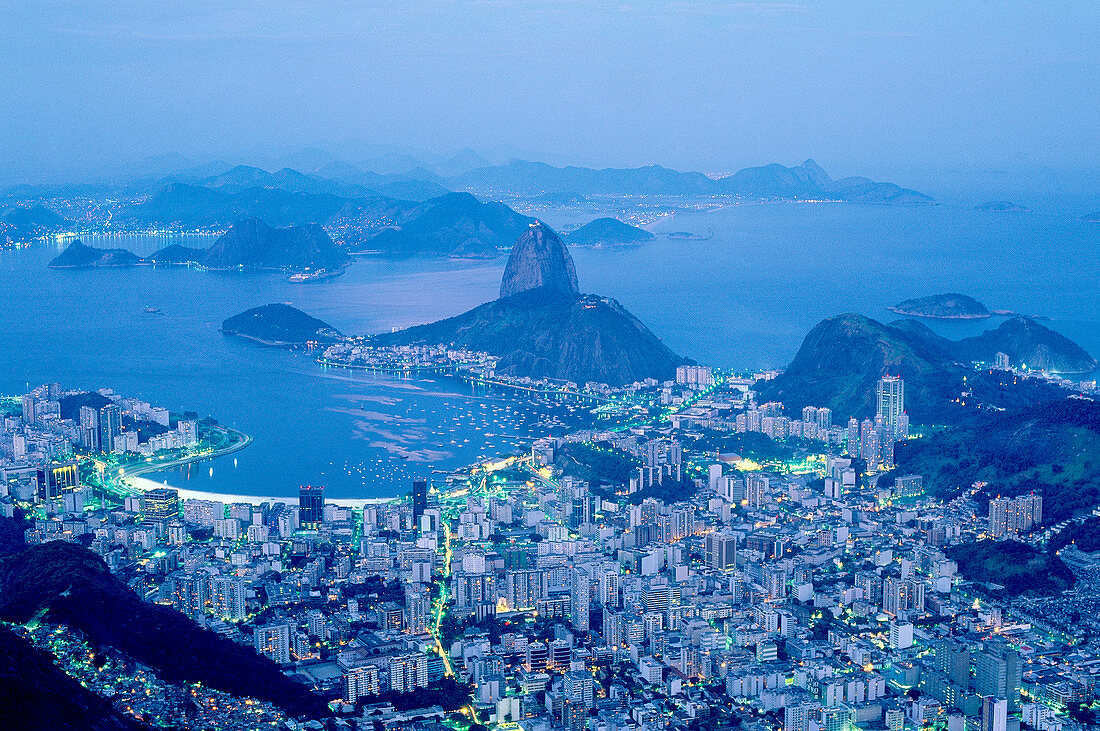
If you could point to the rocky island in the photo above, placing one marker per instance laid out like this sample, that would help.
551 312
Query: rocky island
542 326
608 232
942 307
1001 206
279 326
79 255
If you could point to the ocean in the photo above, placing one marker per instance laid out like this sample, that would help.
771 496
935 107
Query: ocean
741 298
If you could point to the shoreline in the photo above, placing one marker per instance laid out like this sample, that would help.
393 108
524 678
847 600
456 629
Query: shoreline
144 483
144 469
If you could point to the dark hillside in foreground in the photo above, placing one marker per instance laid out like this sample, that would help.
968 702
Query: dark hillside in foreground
36 694
68 584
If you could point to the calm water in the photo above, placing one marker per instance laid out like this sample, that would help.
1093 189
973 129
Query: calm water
744 298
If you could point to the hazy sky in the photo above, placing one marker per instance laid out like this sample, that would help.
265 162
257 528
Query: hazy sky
863 87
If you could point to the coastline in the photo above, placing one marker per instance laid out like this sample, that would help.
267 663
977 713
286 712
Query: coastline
144 483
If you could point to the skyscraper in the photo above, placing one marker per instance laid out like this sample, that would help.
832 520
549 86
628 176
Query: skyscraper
29 403
994 714
998 516
110 424
580 591
420 500
89 428
890 403
311 506
721 550
998 672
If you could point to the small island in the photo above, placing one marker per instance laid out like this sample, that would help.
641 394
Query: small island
608 232
280 326
79 255
1002 206
951 306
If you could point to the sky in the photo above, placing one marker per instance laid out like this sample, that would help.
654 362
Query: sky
875 88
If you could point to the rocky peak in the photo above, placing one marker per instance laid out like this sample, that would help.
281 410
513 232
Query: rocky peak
539 259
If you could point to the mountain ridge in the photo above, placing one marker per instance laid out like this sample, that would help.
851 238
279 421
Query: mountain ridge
842 357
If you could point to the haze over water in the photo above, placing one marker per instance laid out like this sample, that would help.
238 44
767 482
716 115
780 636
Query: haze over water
742 299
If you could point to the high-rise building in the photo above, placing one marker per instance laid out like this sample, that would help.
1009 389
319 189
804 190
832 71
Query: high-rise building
361 681
890 403
55 479
190 594
110 424
525 587
273 640
89 428
998 672
29 410
418 607
580 595
311 506
161 503
994 714
419 500
721 550
408 672
227 597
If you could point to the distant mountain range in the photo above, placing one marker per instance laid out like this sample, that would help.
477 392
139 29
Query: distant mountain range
543 327
842 358
804 182
456 224
1002 206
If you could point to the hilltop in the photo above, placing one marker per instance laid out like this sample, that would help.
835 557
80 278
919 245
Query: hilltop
79 255
253 244
542 327
842 358
21 223
456 224
67 584
1018 567
1027 344
539 259
608 232
942 307
279 325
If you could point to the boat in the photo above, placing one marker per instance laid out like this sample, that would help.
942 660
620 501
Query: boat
152 310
